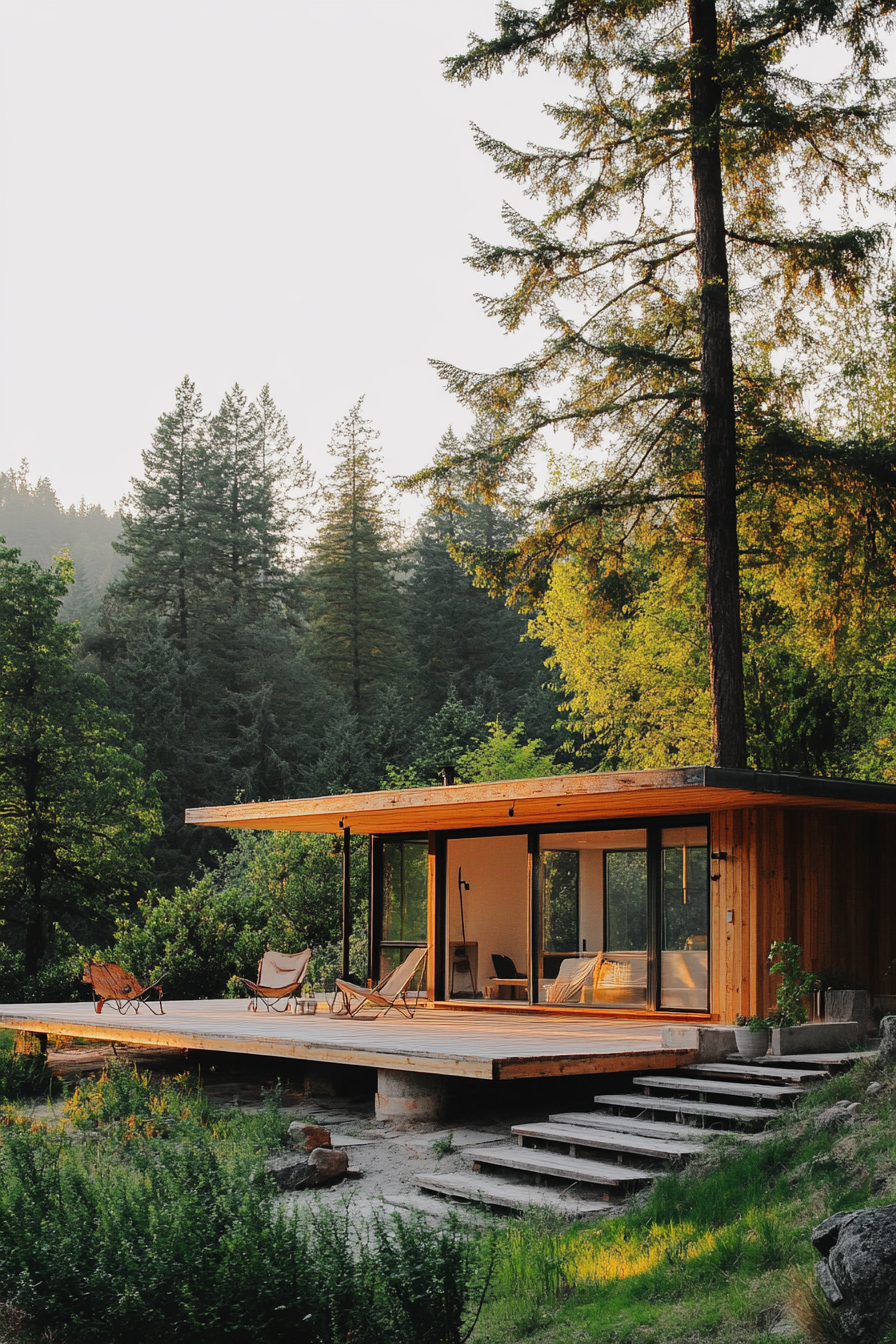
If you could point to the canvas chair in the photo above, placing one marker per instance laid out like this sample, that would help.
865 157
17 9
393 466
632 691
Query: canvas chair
280 977
111 983
391 992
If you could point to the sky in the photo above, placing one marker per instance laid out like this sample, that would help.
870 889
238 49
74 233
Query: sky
251 191
256 192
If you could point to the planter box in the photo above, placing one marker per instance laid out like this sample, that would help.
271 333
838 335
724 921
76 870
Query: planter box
711 1043
816 1038
848 1005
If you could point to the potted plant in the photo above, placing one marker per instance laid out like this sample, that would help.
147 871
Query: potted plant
796 984
751 1036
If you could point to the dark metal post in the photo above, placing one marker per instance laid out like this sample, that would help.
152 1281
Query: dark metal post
346 897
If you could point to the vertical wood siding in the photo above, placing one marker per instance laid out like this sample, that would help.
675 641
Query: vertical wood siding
823 878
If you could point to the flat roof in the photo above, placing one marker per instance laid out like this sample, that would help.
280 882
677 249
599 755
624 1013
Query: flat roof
554 800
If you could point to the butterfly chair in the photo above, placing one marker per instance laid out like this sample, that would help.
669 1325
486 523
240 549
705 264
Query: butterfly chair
280 977
111 983
391 992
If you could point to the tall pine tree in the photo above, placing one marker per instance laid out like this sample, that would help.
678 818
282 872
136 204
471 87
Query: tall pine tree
665 217
354 609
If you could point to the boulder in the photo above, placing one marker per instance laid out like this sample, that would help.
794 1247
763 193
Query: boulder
887 1050
858 1272
309 1136
296 1171
837 1116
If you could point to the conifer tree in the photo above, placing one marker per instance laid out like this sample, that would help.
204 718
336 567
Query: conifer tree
354 609
76 807
686 126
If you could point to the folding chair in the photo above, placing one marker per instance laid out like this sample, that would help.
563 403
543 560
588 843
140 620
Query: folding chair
391 992
280 977
111 983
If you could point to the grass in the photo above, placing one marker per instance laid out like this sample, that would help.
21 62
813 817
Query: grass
715 1253
145 1211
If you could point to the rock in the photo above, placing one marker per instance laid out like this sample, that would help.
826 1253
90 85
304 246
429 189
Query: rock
887 1048
873 1088
858 1273
309 1136
295 1171
328 1164
290 1172
836 1116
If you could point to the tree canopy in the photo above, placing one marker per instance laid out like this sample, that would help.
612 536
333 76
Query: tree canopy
665 271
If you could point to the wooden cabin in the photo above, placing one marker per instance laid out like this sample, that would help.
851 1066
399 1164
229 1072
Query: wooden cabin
654 892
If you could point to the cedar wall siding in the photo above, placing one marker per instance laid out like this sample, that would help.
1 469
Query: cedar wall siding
826 879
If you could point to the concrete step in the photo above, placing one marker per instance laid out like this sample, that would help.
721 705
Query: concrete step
741 1072
574 1137
831 1059
539 1162
660 1129
739 1091
678 1106
502 1192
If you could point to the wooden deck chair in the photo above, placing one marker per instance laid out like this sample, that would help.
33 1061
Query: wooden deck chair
574 976
280 977
111 983
391 992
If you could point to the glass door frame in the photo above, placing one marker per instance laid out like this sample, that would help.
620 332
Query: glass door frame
654 827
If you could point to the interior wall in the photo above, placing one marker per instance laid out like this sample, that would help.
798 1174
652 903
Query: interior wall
496 907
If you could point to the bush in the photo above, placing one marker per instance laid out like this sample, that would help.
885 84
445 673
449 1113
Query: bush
21 1075
162 1222
280 890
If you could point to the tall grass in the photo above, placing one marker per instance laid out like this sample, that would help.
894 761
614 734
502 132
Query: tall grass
148 1213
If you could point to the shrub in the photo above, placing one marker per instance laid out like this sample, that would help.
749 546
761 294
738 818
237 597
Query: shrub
161 1221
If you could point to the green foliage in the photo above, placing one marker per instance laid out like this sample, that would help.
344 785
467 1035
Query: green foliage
166 1225
21 1074
76 808
796 984
274 889
504 756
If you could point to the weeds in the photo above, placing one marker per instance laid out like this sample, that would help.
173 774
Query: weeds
21 1075
444 1146
146 1211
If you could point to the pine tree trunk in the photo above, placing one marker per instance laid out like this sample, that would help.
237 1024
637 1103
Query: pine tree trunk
717 400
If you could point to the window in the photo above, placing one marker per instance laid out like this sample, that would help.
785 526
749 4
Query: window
625 900
560 906
405 877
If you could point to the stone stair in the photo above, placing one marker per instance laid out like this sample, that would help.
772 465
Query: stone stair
582 1163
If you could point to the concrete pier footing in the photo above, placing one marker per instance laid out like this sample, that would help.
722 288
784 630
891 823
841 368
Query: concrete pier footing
402 1095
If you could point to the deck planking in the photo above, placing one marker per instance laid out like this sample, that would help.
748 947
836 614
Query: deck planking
451 1043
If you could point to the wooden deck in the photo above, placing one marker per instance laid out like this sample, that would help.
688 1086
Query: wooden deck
455 1043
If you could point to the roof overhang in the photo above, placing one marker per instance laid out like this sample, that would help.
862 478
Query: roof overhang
555 800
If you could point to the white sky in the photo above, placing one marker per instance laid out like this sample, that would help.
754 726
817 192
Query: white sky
241 190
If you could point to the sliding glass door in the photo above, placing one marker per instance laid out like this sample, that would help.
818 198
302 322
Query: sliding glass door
624 918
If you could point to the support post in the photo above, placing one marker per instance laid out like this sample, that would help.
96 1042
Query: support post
346 898
535 950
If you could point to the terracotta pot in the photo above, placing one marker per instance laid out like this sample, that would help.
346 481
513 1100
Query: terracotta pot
751 1044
